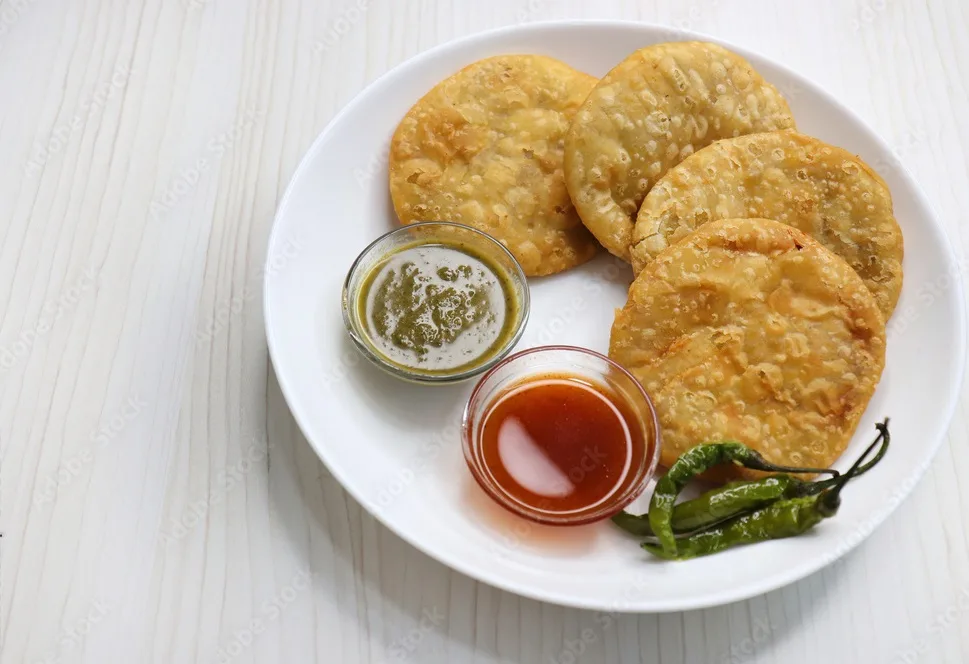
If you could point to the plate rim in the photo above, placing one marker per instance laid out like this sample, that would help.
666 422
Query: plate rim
794 573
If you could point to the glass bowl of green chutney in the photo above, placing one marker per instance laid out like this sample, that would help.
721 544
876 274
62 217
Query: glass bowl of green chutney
435 302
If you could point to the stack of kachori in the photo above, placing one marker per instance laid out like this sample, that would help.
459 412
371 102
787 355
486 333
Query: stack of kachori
654 109
767 262
823 190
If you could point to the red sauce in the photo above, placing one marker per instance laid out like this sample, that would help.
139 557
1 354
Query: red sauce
561 445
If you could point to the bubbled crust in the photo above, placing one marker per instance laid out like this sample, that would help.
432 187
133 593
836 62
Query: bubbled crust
825 191
485 148
750 330
657 107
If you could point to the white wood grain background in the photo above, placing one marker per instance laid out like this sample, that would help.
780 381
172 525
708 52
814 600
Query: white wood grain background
158 504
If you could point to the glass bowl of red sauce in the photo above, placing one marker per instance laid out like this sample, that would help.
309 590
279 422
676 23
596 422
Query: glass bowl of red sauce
561 435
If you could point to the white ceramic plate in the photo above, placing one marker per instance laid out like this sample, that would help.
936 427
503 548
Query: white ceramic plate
395 446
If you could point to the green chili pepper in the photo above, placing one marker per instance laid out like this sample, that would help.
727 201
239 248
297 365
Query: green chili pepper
693 462
714 506
783 518
736 498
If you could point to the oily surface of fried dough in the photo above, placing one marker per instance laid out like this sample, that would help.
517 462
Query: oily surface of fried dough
657 107
825 191
750 330
485 148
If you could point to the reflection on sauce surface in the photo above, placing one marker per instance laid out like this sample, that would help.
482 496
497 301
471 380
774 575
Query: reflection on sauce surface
559 444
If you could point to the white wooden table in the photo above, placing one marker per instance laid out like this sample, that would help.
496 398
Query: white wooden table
158 502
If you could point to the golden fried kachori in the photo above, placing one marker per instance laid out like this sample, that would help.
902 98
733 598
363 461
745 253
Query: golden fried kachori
823 190
654 109
751 330
485 148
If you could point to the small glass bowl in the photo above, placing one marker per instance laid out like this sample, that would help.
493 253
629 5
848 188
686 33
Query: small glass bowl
431 232
586 364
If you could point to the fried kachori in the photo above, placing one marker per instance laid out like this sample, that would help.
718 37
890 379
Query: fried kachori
485 148
657 107
823 190
751 330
